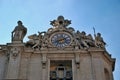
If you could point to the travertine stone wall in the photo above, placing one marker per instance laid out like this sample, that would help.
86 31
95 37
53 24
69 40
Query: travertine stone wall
14 62
85 67
87 56
97 66
24 65
3 64
35 65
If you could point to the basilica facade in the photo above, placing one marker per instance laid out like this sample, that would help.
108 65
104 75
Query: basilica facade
60 53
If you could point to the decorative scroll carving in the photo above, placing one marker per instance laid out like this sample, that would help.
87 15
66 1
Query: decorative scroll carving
36 41
60 22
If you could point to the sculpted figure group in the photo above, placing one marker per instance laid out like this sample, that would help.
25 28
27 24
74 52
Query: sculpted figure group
80 39
37 41
84 41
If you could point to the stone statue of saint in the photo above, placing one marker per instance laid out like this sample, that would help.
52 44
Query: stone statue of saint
19 32
99 42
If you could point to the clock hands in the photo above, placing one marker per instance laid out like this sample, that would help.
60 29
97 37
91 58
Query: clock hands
61 40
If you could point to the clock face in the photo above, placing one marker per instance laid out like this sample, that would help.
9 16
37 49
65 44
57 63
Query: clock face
61 39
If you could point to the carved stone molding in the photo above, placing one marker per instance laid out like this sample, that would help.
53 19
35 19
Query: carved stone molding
44 60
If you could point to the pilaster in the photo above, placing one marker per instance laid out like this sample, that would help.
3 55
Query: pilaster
15 51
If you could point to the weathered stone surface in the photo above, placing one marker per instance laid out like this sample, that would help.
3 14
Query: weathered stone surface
60 52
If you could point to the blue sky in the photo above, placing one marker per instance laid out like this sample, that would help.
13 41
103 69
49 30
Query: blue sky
104 15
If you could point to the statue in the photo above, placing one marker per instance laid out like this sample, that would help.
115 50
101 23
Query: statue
77 40
34 41
99 41
19 32
83 40
89 40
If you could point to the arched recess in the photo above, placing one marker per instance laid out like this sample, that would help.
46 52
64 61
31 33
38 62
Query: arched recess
106 72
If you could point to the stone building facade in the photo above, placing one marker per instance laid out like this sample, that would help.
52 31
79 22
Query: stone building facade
60 53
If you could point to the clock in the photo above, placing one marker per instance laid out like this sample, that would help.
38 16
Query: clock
61 39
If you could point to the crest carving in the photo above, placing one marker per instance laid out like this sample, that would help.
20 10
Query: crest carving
15 52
